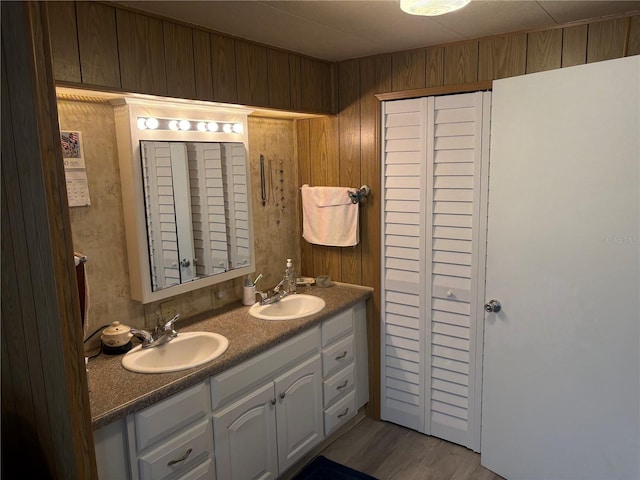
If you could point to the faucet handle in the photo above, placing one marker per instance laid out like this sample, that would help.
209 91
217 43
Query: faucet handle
168 327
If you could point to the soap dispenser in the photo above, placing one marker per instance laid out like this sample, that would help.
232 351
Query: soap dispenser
290 275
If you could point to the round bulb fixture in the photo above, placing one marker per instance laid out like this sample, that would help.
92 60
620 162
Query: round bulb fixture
212 126
185 125
432 8
237 128
227 128
152 123
173 125
142 125
202 127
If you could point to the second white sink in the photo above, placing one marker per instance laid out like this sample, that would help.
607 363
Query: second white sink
187 350
289 308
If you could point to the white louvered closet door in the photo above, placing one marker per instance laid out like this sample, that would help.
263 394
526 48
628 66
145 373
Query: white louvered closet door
435 163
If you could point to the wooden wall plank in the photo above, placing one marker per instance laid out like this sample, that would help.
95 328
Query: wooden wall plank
434 66
303 154
178 52
633 47
349 148
375 76
544 50
325 171
40 308
64 44
203 76
223 69
327 87
141 51
461 63
574 45
98 44
295 81
606 40
409 70
252 74
501 57
311 83
279 85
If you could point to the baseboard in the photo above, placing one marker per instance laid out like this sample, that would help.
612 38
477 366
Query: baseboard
311 454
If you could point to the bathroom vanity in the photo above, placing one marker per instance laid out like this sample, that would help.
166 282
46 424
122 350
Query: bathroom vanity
279 390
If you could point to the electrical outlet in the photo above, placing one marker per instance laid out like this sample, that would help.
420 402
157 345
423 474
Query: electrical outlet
168 310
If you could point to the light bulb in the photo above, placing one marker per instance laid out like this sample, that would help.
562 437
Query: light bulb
202 127
185 125
227 128
237 128
173 124
212 126
152 123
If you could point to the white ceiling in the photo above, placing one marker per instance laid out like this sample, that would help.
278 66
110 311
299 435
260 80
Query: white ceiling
337 30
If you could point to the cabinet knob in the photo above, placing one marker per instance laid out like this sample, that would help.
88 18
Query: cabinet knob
282 395
272 401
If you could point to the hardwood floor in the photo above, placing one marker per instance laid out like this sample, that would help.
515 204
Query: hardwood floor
390 452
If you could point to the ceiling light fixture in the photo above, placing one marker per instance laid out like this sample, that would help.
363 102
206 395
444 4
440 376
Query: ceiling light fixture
432 7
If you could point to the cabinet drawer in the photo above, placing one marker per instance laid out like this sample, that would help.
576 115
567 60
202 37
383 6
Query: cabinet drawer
338 385
337 356
171 414
204 471
337 327
180 454
339 413
235 381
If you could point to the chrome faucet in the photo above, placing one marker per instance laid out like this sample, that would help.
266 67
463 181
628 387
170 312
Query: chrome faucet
277 295
161 334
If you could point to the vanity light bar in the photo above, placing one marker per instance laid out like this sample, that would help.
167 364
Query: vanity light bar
152 123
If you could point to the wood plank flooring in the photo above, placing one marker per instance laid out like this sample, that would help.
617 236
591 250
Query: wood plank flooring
390 452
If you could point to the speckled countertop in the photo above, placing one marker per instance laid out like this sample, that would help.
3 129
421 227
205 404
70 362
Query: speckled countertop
116 392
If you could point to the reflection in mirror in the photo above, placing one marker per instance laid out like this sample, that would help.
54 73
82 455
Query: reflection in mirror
196 208
184 172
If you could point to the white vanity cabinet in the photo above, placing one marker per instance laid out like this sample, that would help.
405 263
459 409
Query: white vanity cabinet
268 410
251 421
173 439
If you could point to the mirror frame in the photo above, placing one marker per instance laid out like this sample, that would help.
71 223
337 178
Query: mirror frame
126 111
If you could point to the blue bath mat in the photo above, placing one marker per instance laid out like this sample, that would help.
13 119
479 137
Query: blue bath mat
321 468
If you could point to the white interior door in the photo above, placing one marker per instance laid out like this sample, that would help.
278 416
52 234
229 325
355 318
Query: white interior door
561 387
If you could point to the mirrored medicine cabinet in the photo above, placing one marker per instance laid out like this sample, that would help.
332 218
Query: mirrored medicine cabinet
185 187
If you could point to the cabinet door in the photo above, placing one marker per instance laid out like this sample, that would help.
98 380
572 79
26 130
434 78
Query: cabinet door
299 413
245 437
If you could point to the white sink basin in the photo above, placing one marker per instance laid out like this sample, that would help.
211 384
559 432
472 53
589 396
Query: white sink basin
289 308
187 350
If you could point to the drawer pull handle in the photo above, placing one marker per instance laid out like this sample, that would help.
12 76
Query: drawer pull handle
181 459
344 384
342 355
343 414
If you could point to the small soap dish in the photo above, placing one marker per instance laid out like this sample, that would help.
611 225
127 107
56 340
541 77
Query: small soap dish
305 281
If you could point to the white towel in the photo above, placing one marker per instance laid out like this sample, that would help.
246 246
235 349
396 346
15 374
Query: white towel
329 217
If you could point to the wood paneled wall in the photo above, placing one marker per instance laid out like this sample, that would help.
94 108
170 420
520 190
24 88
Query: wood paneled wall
344 150
99 45
46 426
